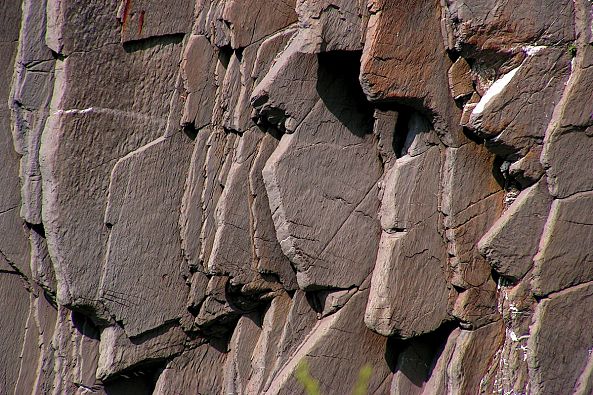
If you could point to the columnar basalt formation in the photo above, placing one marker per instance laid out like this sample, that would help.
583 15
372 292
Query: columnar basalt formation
199 196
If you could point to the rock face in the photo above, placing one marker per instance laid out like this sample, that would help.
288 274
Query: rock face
200 196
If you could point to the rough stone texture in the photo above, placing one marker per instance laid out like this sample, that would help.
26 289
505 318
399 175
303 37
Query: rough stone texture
118 353
412 251
337 347
199 82
472 358
13 322
416 360
73 142
158 295
517 304
572 347
195 371
487 24
513 118
196 196
141 19
394 46
558 264
512 242
337 137
249 23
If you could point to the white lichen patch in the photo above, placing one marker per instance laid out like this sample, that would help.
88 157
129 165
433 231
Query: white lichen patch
495 89
531 50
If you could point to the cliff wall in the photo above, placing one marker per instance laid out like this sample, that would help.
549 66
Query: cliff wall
197 196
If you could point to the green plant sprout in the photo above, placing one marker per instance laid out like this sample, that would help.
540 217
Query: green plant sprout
304 377
364 377
311 385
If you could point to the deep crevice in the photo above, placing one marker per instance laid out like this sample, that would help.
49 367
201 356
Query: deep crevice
416 358
339 89
137 381
84 325
239 54
190 130
153 41
224 56
57 56
400 133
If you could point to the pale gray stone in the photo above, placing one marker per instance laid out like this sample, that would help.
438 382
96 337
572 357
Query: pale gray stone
409 263
348 199
154 258
198 66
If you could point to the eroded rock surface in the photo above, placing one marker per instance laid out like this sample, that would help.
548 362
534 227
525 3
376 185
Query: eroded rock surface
199 196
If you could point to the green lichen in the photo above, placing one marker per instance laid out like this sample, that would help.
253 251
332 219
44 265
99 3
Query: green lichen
572 50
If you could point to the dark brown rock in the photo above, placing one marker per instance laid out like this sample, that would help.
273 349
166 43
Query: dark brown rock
554 317
393 29
476 26
474 355
560 262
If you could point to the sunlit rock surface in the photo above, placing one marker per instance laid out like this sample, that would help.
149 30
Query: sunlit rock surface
197 196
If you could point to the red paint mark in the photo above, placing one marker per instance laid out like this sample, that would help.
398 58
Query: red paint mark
140 22
127 6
